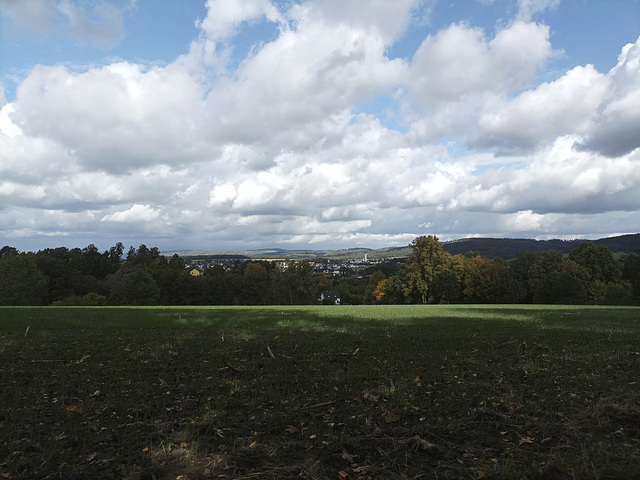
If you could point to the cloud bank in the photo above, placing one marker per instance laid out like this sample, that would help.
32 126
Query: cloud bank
279 149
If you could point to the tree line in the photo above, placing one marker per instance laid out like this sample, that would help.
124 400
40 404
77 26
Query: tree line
590 274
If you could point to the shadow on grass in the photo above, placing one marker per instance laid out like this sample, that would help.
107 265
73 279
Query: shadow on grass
309 392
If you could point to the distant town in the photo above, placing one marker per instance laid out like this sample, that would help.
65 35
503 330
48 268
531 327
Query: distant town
327 267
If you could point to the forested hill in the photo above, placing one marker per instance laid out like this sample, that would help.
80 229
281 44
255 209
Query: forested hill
508 248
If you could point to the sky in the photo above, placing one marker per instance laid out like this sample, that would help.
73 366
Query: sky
247 124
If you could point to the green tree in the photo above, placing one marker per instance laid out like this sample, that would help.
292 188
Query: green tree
297 285
481 278
21 283
598 261
631 274
369 297
557 280
217 286
602 268
55 264
445 287
145 257
427 259
546 264
352 290
133 286
561 288
175 285
256 284
390 291
94 300
521 268
6 250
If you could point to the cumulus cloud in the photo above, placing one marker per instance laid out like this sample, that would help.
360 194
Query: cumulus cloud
603 108
137 213
277 150
309 75
618 120
558 179
565 106
117 117
460 61
223 16
455 73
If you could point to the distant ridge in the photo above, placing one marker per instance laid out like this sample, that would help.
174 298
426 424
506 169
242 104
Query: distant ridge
506 248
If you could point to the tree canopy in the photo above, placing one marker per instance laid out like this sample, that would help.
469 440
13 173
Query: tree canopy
61 276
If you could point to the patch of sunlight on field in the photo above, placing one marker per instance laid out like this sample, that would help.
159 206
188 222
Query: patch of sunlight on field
306 325
197 321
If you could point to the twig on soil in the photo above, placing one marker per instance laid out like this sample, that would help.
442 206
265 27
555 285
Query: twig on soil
231 367
323 404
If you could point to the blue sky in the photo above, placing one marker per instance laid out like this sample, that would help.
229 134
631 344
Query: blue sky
316 123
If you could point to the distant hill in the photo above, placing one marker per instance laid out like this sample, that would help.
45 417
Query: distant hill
506 248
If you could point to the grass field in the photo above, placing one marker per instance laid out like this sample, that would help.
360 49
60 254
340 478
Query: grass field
320 392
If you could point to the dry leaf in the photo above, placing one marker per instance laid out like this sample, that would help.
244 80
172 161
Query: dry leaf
418 443
391 417
74 409
371 398
342 474
347 456
526 441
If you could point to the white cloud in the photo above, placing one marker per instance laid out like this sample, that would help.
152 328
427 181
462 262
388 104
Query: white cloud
565 106
618 121
137 213
7 127
384 18
558 179
224 16
116 117
34 15
523 221
279 149
458 71
460 61
528 8
307 75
